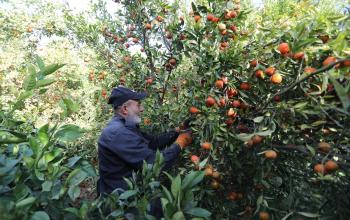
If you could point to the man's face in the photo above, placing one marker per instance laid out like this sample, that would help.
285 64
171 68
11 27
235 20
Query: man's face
134 110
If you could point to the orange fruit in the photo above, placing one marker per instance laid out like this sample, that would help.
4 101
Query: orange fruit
236 103
148 26
232 14
104 93
270 71
215 19
233 28
264 216
324 147
172 61
193 110
331 166
135 40
210 101
208 171
231 92
329 60
210 17
231 113
270 154
259 74
277 98
219 84
283 48
222 102
346 63
245 86
257 139
249 143
276 78
149 81
195 159
232 196
253 63
159 18
309 70
222 26
319 168
299 56
206 145
197 18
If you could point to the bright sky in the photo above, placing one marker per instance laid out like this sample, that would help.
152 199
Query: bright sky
81 5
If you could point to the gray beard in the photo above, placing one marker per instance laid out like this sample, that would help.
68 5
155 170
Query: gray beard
134 119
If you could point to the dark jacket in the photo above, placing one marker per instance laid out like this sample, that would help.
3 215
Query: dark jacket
122 147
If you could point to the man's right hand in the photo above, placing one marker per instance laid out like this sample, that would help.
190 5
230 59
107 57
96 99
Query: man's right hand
184 139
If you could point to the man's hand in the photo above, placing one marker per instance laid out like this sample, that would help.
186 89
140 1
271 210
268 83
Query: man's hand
184 139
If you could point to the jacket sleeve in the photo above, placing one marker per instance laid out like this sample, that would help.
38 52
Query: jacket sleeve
133 150
161 140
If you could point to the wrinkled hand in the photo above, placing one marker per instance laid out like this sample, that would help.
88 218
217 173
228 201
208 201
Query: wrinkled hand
184 139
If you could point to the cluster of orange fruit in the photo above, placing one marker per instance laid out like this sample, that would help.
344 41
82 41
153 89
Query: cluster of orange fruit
101 76
330 165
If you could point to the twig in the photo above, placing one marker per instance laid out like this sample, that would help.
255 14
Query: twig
323 69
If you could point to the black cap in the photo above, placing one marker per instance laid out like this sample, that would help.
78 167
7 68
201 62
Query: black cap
122 94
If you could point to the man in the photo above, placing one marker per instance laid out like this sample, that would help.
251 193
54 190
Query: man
122 147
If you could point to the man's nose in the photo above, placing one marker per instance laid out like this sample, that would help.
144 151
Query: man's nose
142 108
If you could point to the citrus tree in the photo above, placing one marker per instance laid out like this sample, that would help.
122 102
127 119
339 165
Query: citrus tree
268 98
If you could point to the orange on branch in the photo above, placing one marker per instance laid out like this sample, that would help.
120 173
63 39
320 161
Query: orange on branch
331 166
276 78
319 168
206 145
210 101
270 154
283 48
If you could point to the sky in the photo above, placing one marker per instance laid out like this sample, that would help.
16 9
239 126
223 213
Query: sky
81 5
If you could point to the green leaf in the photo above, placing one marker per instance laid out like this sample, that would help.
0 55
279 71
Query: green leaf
69 133
127 194
178 216
25 202
340 43
43 134
199 212
308 214
40 215
258 119
76 177
50 156
44 82
40 63
72 210
192 179
74 192
167 194
50 69
7 137
30 81
176 186
72 161
342 93
69 106
46 186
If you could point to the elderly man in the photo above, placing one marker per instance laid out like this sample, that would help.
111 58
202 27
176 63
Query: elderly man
122 147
